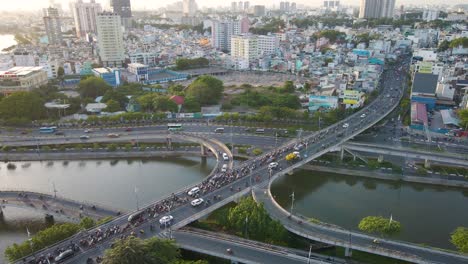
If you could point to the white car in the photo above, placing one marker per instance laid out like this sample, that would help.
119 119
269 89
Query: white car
346 125
273 165
88 130
297 153
166 220
84 137
193 191
225 156
363 115
196 202
224 168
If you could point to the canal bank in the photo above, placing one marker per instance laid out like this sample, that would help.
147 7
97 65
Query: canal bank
435 180
427 213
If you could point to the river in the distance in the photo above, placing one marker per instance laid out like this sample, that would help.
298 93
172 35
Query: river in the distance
428 214
107 182
7 41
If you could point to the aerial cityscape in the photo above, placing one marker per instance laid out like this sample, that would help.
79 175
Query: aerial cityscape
207 132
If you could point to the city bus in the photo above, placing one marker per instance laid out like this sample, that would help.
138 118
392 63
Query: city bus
174 127
47 129
219 130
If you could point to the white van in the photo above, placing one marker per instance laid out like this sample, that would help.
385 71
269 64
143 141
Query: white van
225 156
224 168
193 191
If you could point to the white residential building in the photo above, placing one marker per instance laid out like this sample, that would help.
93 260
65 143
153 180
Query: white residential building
110 39
244 48
267 44
85 15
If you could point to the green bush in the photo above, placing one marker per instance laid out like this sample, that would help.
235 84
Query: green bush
112 147
257 151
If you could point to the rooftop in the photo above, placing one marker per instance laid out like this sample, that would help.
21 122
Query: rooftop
425 83
21 71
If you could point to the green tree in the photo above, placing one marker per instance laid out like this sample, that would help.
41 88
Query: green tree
288 87
41 240
380 225
463 114
134 250
112 106
162 103
87 223
443 46
176 89
459 42
252 220
207 90
459 239
191 105
146 101
92 87
116 95
22 105
60 74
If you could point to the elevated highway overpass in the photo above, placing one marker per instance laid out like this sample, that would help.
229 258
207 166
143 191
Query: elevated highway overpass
238 182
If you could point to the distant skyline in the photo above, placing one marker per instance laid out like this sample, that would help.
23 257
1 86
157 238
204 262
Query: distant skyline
145 4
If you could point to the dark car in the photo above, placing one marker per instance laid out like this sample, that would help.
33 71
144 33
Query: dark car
59 133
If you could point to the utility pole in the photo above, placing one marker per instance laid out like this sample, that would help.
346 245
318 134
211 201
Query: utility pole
310 253
55 190
232 143
136 197
292 203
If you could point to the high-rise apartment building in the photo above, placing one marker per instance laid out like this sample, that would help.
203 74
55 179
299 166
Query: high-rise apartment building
53 25
222 31
189 7
376 8
123 8
234 6
244 47
110 39
246 5
85 15
330 4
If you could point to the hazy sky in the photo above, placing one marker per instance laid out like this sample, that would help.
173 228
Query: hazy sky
151 4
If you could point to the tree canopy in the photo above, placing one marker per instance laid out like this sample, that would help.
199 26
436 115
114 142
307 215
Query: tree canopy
380 225
207 90
459 239
184 64
92 87
153 102
252 220
135 250
22 106
112 106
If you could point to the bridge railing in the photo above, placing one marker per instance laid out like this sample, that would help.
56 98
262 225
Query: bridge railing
61 198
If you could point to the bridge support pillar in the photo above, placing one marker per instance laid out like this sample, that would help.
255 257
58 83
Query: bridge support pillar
427 164
380 159
1 211
203 150
348 252
342 153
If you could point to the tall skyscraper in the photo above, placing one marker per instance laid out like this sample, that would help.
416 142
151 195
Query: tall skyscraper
234 6
189 7
85 15
376 8
110 39
246 5
124 10
53 25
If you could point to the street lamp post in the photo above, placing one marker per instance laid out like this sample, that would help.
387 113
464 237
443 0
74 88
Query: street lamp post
292 203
